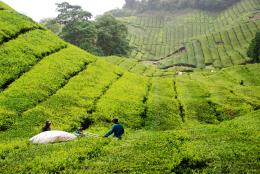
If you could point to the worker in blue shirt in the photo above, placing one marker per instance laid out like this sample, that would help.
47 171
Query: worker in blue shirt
117 129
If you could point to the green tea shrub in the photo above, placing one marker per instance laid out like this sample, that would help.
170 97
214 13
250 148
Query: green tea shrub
4 6
19 55
6 119
124 100
12 23
162 105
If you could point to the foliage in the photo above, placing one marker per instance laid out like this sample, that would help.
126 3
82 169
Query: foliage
69 14
111 37
162 95
120 13
57 68
76 26
254 48
82 34
230 147
216 131
105 36
70 104
178 4
17 56
131 4
124 100
193 38
6 120
11 24
4 6
52 25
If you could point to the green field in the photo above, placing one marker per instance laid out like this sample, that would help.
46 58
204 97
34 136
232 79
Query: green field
194 37
198 122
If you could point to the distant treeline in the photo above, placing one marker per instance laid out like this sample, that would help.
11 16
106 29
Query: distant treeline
103 36
140 6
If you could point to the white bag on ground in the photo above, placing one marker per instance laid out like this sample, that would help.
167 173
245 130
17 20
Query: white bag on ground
52 137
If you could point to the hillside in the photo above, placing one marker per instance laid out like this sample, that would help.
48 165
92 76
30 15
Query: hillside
194 37
199 122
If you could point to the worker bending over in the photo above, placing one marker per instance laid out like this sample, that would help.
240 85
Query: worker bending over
117 129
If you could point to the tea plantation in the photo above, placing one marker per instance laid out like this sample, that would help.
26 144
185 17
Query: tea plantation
194 38
203 121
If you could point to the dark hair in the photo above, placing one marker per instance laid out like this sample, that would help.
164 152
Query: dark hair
48 122
115 120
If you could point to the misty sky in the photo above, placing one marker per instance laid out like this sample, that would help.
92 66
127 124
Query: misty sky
38 9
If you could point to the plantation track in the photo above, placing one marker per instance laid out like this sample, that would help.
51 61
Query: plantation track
119 62
132 67
104 91
145 69
181 109
145 104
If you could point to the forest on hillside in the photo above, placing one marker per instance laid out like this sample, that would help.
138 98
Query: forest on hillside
175 4
139 6
103 36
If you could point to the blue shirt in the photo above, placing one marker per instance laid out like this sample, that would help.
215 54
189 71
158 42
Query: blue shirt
117 129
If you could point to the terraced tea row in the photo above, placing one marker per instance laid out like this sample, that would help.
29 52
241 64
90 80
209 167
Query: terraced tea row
132 65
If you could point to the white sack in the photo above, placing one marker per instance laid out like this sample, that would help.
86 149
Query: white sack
52 137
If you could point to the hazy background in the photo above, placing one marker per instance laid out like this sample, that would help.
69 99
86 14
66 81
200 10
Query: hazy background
38 9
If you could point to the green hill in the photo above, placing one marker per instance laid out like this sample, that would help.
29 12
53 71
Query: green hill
194 38
199 122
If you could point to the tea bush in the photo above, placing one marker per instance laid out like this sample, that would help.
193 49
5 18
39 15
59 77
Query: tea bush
19 55
162 105
12 24
124 100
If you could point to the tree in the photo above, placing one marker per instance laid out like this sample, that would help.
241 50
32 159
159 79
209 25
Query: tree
71 13
81 34
154 4
77 28
52 25
105 36
112 36
131 4
254 48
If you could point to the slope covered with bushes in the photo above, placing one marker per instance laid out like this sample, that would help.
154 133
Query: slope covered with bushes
194 38
200 122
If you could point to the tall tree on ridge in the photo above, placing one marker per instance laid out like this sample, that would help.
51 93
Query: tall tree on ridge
77 28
